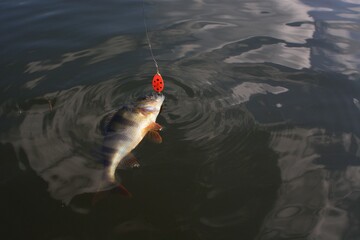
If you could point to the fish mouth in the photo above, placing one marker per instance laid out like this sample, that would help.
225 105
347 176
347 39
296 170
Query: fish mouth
157 97
151 102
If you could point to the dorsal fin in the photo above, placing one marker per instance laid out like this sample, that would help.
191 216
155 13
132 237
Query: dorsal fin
106 121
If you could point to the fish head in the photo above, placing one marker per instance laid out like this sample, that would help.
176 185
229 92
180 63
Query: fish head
150 103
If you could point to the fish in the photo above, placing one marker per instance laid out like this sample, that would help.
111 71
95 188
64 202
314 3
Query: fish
126 128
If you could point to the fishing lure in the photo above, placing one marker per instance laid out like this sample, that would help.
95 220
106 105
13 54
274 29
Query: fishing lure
158 83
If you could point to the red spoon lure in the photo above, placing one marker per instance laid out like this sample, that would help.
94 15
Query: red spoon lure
158 83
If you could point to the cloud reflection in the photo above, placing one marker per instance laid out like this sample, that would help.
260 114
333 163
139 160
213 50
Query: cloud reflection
61 145
356 102
293 57
270 19
313 201
111 48
243 92
340 28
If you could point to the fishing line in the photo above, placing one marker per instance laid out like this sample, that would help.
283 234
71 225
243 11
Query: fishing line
148 38
157 82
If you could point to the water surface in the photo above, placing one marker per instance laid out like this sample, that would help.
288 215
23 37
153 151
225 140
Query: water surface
261 119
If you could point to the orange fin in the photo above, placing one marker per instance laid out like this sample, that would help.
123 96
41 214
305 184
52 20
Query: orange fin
154 127
129 161
99 196
154 136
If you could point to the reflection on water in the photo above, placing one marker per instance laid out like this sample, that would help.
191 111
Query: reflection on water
313 200
61 145
243 92
294 57
357 103
53 145
341 29
111 48
261 118
285 21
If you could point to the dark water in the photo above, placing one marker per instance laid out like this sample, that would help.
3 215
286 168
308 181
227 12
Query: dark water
261 119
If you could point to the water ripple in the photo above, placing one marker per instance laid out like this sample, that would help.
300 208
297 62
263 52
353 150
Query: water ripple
260 118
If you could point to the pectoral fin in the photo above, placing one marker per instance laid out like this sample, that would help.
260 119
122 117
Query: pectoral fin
154 127
153 133
154 136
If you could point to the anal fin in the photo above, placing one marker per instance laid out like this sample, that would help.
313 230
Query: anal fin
128 162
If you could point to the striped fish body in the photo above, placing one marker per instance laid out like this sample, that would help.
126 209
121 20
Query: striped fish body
126 129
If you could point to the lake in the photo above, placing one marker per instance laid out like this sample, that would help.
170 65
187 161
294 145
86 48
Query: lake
261 119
